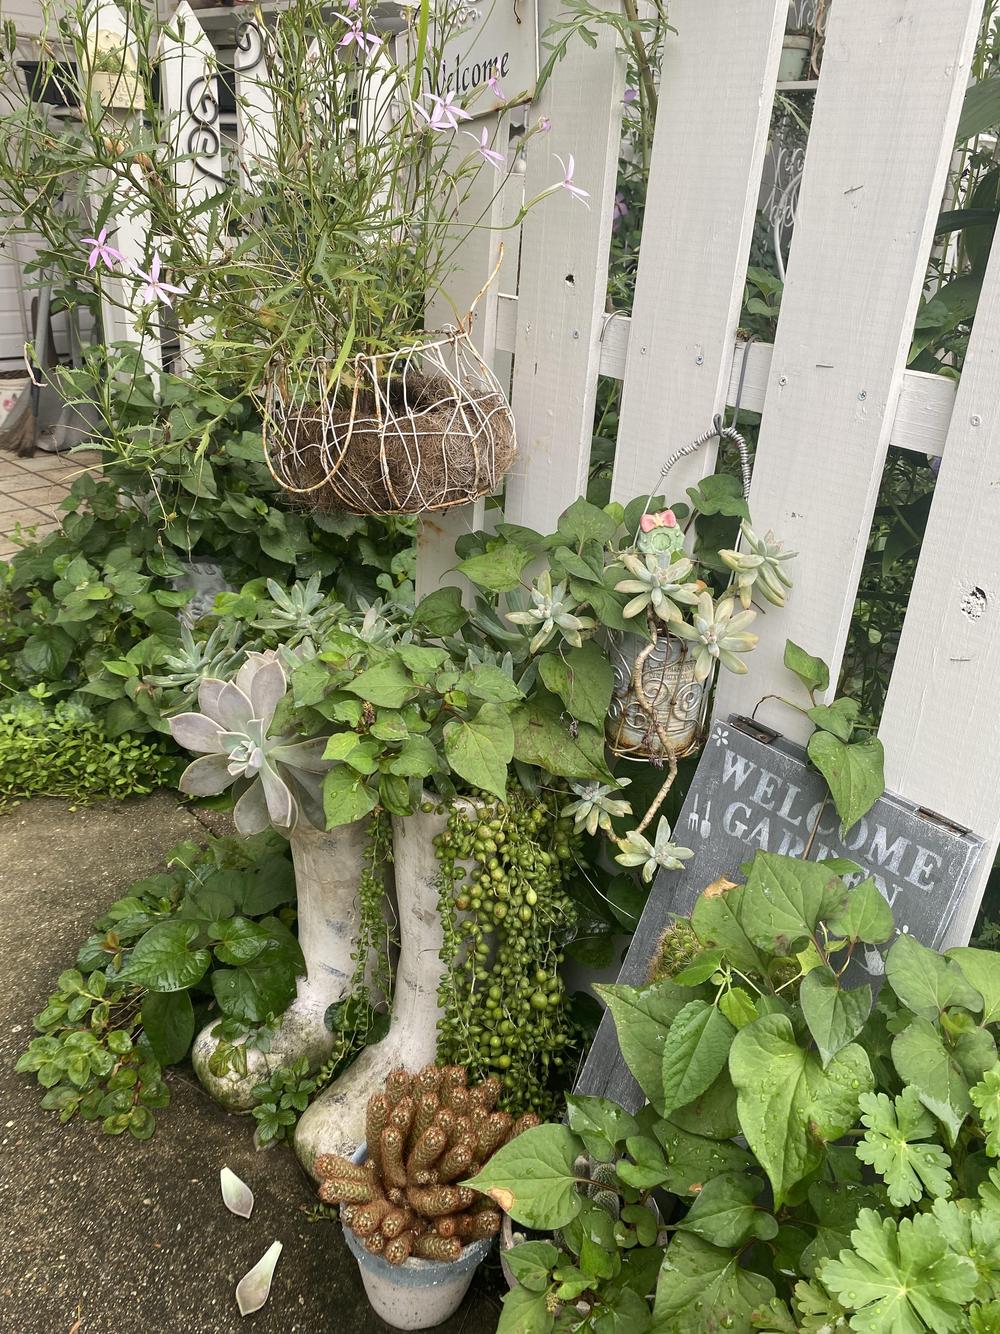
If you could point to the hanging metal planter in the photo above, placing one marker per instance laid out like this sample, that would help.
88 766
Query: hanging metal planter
659 708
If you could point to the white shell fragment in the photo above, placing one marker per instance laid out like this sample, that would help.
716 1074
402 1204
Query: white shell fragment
236 1194
254 1287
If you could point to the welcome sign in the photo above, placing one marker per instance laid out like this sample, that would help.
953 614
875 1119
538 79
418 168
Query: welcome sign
496 39
755 791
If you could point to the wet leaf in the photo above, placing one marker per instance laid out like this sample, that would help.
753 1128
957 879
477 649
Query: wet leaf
254 1287
236 1194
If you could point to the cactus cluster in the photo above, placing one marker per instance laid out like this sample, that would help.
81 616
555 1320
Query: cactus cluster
426 1132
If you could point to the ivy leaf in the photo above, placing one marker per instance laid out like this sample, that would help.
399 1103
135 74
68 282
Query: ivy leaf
789 1105
531 1262
441 613
479 749
702 1289
854 773
693 1160
498 570
533 1178
838 717
168 1024
812 672
895 1144
163 959
986 1096
922 1059
642 1017
925 981
835 1016
601 1124
864 916
346 797
724 1212
386 685
719 493
583 680
712 1113
648 1167
694 1052
785 898
525 1312
717 921
981 969
417 758
543 737
490 683
901 1277
584 522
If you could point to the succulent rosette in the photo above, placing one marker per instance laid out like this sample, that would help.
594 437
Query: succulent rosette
279 777
720 633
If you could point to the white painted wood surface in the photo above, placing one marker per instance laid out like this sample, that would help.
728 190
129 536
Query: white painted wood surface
891 89
129 223
563 280
707 158
941 723
189 89
480 255
254 104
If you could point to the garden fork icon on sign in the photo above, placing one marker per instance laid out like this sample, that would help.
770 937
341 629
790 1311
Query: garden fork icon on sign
700 824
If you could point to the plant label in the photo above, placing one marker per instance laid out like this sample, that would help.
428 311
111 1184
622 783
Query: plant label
754 790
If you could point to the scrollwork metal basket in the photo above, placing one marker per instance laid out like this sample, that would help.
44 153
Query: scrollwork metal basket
659 709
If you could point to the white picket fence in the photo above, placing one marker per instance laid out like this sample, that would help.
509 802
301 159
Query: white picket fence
833 390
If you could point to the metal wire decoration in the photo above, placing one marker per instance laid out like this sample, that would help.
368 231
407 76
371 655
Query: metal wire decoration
658 709
423 428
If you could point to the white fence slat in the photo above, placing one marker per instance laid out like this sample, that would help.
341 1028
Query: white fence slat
707 159
191 108
254 103
105 28
887 107
940 724
479 255
563 280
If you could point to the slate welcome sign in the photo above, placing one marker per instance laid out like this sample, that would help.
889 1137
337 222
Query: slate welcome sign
754 790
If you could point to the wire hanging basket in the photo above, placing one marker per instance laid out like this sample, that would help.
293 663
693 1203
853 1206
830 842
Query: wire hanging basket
659 708
419 429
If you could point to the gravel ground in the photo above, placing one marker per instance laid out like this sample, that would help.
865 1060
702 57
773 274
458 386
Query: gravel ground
108 1236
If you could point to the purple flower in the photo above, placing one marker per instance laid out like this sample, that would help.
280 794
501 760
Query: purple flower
102 252
631 95
444 114
619 211
545 125
567 181
366 42
154 289
493 84
488 154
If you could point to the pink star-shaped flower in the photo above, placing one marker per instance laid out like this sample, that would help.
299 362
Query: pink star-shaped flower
445 113
154 289
488 154
493 84
366 42
567 181
101 252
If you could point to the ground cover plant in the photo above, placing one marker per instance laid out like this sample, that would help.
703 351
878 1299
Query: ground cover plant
831 1160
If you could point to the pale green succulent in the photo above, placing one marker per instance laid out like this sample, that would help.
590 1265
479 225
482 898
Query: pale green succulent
595 807
279 777
719 634
659 585
299 612
553 612
195 661
758 567
636 850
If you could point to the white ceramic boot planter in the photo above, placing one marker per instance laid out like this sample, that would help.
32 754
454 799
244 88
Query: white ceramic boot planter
335 1122
328 867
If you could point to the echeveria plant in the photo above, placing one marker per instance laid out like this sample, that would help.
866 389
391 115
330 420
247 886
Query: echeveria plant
280 777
